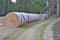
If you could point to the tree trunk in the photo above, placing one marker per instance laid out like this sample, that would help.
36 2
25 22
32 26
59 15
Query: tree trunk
6 6
18 5
30 5
57 7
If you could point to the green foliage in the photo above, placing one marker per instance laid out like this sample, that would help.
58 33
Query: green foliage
34 6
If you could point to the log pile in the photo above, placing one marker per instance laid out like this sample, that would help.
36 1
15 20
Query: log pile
16 19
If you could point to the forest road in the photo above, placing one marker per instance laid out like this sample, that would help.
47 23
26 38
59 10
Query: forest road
31 33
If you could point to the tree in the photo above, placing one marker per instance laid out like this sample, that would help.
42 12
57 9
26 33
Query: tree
57 7
30 3
33 6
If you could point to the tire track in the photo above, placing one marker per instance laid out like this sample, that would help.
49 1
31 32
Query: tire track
31 33
48 33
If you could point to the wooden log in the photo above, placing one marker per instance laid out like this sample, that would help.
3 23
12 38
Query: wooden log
11 21
16 19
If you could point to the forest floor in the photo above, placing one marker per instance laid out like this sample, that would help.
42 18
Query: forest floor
31 33
4 31
39 30
56 30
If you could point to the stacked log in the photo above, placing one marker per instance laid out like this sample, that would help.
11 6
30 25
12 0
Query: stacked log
11 20
32 17
16 19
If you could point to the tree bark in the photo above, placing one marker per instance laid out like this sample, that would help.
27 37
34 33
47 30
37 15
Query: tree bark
57 7
30 5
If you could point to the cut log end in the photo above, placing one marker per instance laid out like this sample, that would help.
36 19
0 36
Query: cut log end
11 21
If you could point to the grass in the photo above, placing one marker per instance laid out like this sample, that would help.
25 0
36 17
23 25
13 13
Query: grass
19 31
43 27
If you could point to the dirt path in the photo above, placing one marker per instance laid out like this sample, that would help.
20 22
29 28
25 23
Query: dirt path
4 32
48 33
56 30
30 34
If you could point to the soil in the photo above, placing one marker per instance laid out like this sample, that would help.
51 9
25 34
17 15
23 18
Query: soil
56 31
31 34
